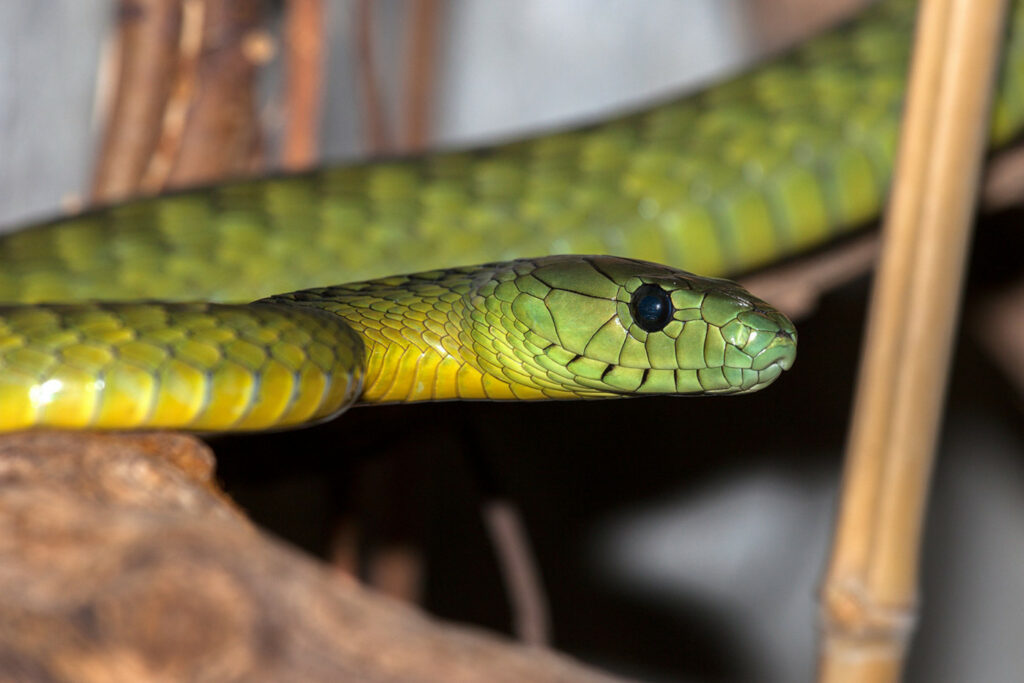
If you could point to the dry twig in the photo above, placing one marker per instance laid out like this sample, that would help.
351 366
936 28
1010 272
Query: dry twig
145 61
304 39
377 136
530 619
420 72
777 23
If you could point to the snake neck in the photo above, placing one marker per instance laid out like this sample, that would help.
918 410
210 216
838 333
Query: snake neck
418 335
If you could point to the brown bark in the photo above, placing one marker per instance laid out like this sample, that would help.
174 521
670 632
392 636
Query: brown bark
121 560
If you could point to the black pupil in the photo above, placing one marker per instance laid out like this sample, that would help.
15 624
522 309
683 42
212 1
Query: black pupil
652 308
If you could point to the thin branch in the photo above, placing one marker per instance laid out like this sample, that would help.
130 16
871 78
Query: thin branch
420 72
997 323
176 107
304 39
1004 179
530 620
145 61
777 23
377 137
794 287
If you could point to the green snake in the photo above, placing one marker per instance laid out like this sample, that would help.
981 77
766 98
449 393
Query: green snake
768 164
552 327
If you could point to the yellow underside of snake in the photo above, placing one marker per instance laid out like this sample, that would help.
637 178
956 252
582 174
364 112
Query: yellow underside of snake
546 328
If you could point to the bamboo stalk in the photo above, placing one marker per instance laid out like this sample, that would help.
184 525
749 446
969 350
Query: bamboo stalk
869 598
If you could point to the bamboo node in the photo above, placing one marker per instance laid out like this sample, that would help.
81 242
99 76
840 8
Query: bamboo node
849 614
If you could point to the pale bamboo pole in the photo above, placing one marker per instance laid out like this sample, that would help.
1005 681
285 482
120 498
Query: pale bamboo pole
869 597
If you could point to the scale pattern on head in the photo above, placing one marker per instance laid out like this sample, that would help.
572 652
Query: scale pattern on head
559 327
600 325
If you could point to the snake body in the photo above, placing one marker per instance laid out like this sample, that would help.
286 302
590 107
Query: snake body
768 164
554 327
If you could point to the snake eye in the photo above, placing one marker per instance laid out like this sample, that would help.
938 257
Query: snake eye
651 308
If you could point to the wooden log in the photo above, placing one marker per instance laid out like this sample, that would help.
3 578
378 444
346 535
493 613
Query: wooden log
120 559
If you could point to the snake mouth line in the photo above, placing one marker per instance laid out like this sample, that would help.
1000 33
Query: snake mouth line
768 375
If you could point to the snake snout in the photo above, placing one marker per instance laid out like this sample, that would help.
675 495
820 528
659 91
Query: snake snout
777 355
764 338
782 349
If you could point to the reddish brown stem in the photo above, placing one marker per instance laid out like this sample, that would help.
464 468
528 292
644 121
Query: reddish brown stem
377 136
421 68
146 57
304 68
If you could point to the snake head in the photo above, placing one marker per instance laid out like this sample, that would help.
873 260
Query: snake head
601 325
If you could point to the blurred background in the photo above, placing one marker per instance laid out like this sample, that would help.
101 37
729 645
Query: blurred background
677 539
